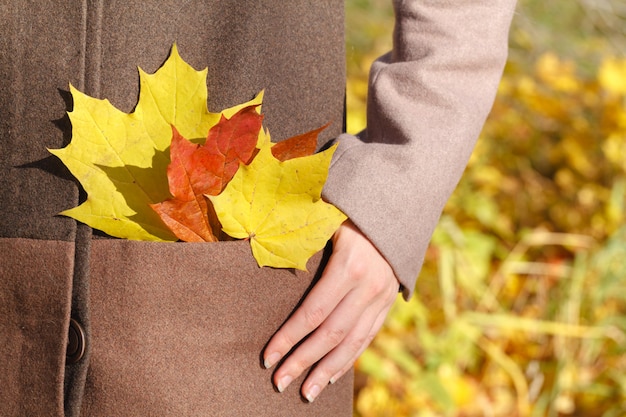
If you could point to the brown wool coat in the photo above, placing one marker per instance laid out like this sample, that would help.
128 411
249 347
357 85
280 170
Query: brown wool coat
178 329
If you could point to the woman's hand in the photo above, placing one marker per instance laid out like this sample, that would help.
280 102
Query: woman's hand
341 315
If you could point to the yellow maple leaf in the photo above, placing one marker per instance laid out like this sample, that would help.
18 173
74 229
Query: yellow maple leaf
278 206
121 159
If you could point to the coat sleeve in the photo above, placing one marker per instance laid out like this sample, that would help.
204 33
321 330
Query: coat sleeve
428 100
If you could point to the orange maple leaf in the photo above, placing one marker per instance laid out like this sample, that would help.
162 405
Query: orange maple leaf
297 146
199 170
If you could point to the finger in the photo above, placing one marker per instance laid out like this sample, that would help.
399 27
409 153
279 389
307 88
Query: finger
380 320
341 359
324 339
315 309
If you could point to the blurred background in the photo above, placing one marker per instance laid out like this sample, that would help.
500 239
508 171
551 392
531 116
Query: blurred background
520 309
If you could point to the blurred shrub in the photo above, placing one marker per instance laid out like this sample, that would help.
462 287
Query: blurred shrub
521 307
553 153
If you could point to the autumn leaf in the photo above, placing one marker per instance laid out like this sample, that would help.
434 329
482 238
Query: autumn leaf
148 173
187 213
196 170
278 207
121 159
297 146
235 141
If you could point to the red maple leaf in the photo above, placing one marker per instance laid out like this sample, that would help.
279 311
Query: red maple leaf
199 170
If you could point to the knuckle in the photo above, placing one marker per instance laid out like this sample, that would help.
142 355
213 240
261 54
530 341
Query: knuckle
379 286
377 282
334 336
314 317
376 289
300 365
358 270
357 344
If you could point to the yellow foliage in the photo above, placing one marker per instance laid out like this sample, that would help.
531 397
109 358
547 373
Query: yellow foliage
559 75
519 309
120 159
612 75
267 201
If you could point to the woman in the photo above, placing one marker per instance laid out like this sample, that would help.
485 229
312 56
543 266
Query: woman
152 333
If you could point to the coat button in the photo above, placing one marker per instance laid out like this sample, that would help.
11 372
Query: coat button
75 343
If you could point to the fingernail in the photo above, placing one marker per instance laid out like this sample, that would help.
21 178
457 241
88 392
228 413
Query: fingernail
271 360
336 377
314 391
284 383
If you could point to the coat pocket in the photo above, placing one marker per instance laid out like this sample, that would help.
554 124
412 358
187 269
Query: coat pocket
178 330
